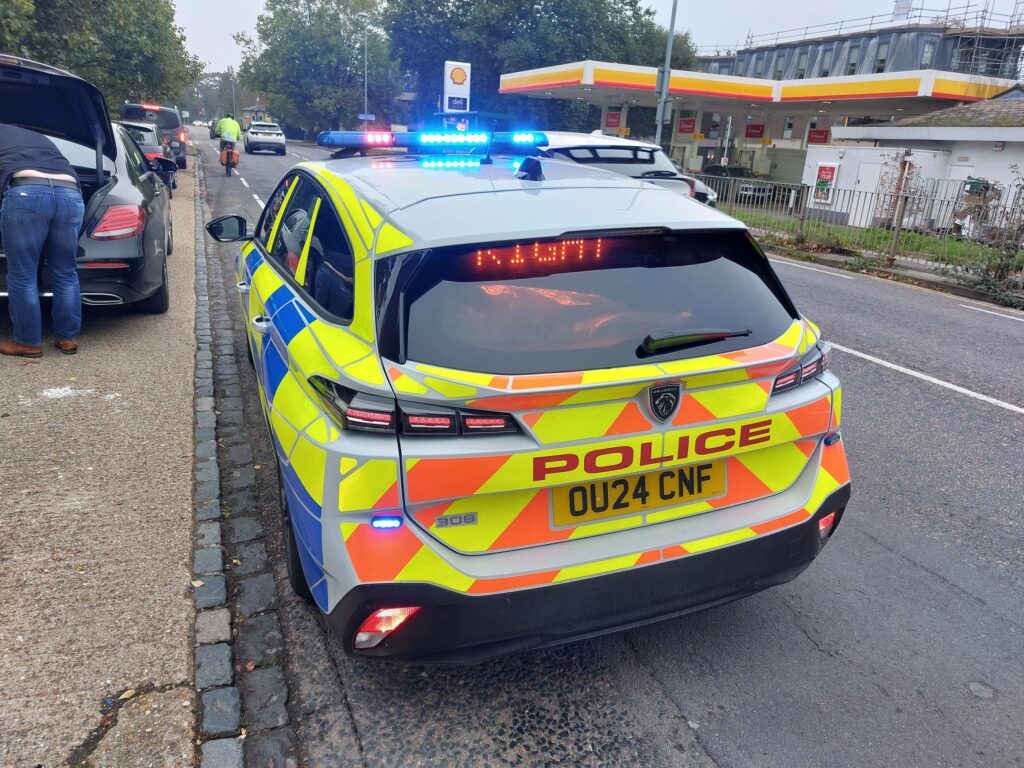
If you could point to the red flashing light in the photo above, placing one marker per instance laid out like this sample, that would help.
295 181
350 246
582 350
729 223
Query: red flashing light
381 139
151 106
381 623
120 222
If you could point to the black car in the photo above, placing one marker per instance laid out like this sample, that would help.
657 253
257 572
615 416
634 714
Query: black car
154 144
126 231
749 188
169 120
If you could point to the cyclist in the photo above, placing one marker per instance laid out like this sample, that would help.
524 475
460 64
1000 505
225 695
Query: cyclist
229 131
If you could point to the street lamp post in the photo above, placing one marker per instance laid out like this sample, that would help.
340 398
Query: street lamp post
365 18
666 75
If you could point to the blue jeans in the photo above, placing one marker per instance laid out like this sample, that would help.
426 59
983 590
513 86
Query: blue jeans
39 221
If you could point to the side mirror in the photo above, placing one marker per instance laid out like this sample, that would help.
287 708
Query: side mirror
163 165
228 229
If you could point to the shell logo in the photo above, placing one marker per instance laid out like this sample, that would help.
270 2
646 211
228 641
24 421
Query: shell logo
458 76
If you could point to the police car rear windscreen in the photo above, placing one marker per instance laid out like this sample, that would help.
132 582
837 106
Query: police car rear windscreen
580 303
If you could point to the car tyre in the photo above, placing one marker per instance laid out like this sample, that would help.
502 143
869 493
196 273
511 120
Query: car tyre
293 564
281 152
248 151
160 301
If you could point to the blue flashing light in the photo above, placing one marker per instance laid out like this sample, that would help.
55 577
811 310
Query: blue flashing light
430 140
386 522
832 438
460 163
455 138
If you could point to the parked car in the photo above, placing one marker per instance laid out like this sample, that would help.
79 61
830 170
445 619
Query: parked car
126 231
267 136
168 118
213 127
154 143
638 159
752 189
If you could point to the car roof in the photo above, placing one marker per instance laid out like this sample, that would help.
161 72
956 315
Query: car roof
568 139
488 203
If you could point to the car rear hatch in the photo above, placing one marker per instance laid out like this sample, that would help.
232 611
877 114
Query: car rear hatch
576 387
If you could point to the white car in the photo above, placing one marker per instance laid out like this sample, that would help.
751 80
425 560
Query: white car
268 136
638 159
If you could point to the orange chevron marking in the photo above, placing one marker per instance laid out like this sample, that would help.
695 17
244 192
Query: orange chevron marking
539 380
691 412
381 555
499 382
833 461
508 583
768 369
676 550
531 526
806 446
531 419
522 402
813 418
432 479
428 515
743 485
388 499
651 556
630 421
781 522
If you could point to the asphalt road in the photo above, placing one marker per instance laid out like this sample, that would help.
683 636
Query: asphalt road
902 645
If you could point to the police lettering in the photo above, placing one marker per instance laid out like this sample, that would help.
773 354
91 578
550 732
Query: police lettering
624 457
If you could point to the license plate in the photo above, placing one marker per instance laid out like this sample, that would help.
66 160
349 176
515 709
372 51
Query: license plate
604 499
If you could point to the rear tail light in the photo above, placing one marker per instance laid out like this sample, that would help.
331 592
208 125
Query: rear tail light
814 363
692 184
182 135
153 155
370 413
379 624
119 222
825 526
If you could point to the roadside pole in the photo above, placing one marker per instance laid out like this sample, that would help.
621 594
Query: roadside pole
665 76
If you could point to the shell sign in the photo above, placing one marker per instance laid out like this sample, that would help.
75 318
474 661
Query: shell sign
456 86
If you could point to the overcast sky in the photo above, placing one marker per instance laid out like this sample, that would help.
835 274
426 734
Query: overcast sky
209 26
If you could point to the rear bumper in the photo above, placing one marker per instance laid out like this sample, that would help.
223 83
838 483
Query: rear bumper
456 628
265 144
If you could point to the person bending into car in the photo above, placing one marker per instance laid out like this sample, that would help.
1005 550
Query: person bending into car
41 212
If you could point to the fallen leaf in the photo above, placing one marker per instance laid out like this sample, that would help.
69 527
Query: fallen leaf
249 667
235 561
127 694
197 583
257 466
242 732
27 362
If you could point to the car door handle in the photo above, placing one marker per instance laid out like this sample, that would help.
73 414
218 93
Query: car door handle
261 325
243 288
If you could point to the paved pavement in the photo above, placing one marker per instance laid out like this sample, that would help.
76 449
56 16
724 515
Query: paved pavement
96 496
903 644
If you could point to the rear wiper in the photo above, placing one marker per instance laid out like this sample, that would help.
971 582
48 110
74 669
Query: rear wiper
656 345
659 175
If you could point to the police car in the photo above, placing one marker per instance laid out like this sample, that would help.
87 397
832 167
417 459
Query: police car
518 401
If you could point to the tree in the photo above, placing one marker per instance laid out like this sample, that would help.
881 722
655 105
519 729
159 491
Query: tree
308 60
129 50
499 36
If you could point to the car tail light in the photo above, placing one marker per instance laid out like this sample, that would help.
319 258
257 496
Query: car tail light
814 363
488 422
825 526
430 423
692 184
119 222
153 155
182 136
381 623
354 410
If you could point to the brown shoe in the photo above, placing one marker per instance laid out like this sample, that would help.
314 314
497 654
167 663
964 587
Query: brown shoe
67 346
17 349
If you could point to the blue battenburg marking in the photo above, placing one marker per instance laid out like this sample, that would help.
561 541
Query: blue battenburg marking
278 299
308 316
276 370
253 261
288 322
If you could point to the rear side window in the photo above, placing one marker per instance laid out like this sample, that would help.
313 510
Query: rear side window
166 118
579 303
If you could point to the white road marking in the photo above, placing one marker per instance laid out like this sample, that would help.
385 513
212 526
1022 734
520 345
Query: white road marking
298 155
929 379
257 199
244 182
812 269
997 314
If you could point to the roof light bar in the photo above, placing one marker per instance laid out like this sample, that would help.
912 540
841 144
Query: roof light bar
423 140
461 163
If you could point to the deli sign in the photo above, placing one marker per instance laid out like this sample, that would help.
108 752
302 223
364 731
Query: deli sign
817 136
755 131
686 125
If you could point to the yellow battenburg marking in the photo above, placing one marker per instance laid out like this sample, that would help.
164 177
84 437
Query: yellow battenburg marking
449 388
736 400
427 566
280 215
309 462
390 239
604 394
347 529
347 464
824 484
371 215
601 566
609 375
791 338
367 370
286 434
493 518
466 377
814 327
579 423
340 344
255 308
715 379
719 540
300 270
837 407
607 526
407 385
685 510
777 467
319 431
293 403
362 488
266 281
362 321
697 364
307 356
352 206
780 430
